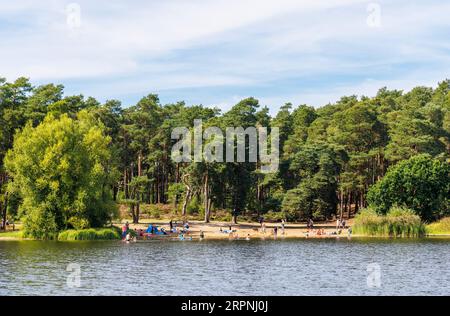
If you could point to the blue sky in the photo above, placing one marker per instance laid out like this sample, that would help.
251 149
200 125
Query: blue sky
217 52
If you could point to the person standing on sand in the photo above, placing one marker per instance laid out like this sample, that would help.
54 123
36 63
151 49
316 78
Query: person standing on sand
282 226
124 231
263 229
171 225
338 224
275 231
261 221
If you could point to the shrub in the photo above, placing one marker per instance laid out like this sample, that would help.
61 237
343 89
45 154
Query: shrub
398 222
194 206
40 223
274 216
404 222
441 227
420 183
153 211
222 216
90 234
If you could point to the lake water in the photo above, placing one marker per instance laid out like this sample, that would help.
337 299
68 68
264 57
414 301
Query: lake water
281 267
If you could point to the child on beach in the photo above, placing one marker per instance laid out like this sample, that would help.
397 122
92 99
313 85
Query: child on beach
124 231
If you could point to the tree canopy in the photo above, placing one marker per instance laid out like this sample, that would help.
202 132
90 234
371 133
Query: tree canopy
61 170
72 153
420 183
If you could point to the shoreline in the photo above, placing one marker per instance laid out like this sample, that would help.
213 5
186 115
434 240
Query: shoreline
249 230
246 230
279 238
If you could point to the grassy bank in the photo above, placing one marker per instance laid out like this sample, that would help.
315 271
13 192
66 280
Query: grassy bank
90 234
399 222
72 234
12 234
441 227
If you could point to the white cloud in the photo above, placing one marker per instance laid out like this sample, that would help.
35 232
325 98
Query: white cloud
368 87
125 48
113 36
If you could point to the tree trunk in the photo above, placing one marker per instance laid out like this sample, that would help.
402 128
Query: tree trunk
349 203
235 203
136 217
362 200
138 194
185 203
2 226
132 212
115 191
206 199
5 208
125 183
184 178
345 203
139 164
341 203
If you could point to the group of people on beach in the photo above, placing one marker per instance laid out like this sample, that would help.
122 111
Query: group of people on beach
153 231
340 224
126 233
5 222
232 233
282 227
180 231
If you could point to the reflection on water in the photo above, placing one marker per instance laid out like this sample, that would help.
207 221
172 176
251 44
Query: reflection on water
291 267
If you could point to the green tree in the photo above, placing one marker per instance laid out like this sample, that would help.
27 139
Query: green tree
316 167
61 169
420 183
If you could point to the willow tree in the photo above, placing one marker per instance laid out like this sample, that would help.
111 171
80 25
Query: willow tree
61 170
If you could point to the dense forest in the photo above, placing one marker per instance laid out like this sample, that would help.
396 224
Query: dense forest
329 156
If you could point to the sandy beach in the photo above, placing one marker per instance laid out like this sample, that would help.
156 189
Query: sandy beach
250 230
